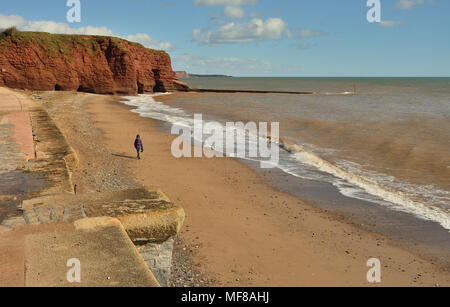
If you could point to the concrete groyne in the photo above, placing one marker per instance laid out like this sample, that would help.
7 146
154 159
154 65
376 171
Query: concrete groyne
231 91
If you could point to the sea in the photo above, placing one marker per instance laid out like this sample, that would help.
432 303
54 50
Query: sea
375 142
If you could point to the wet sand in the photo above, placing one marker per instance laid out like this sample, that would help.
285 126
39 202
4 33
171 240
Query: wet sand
245 232
425 238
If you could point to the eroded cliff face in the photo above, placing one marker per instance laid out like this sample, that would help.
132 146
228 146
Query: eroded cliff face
94 64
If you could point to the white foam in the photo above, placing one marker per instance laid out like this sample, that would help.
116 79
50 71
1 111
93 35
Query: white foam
396 199
147 106
334 93
346 176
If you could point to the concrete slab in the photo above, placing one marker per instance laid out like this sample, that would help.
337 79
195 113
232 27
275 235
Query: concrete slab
37 256
12 101
146 215
23 133
107 257
12 252
12 257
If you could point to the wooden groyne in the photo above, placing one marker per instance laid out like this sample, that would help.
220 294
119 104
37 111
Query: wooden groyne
200 90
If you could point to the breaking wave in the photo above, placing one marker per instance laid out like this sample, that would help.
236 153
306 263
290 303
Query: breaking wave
348 177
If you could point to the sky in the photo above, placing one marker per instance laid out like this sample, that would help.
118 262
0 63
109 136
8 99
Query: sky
304 38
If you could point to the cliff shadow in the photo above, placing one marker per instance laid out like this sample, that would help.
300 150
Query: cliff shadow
159 85
140 87
82 89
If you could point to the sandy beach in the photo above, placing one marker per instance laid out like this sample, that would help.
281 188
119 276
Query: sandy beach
239 230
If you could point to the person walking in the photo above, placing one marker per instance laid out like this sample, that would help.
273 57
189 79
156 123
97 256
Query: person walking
139 146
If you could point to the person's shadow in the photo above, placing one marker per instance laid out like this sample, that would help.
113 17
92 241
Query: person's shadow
123 156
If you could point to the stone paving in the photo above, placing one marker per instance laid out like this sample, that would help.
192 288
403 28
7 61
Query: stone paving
159 259
15 182
154 241
43 255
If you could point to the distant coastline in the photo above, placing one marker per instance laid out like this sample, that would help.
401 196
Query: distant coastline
184 74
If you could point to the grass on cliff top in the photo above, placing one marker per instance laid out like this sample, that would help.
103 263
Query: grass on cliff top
62 44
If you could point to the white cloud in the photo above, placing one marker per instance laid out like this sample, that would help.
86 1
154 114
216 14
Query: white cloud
310 33
149 42
64 28
49 26
251 31
234 12
225 2
390 23
407 4
229 66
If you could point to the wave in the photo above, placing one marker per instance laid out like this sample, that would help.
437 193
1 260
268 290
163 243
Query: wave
334 93
346 176
396 199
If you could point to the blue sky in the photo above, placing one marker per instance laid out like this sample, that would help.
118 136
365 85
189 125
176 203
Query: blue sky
264 37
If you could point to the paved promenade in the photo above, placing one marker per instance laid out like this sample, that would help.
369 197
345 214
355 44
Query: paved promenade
35 256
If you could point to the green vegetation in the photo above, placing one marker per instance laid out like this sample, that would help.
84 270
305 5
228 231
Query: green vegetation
63 44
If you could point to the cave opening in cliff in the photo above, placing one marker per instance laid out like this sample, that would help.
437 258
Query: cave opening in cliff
82 89
140 88
159 85
57 87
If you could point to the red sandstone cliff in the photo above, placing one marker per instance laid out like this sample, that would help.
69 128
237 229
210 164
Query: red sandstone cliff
95 64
